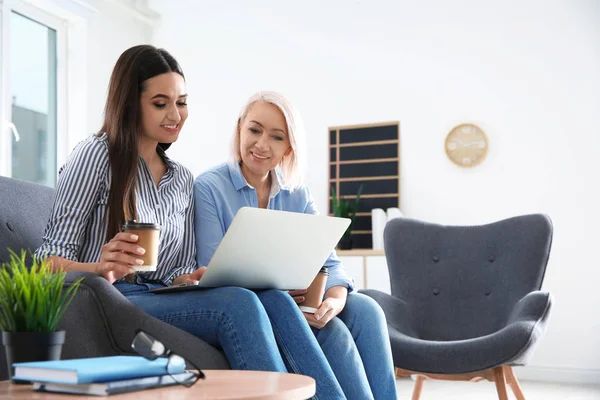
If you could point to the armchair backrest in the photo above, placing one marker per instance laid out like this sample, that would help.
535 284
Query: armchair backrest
463 281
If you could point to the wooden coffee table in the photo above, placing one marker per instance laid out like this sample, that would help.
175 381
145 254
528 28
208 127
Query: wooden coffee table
219 384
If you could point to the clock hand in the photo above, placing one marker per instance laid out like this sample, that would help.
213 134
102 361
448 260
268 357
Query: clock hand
458 141
478 143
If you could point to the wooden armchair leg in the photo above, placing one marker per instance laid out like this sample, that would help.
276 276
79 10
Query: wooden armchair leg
401 373
513 382
418 387
500 383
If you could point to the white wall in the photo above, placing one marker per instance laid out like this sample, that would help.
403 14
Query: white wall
110 32
109 27
525 72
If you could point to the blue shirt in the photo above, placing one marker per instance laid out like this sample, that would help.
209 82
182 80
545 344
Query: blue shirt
219 194
77 227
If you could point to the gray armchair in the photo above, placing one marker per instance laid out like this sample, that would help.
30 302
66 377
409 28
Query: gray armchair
100 320
465 300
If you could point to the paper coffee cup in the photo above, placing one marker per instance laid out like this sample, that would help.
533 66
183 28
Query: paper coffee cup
148 239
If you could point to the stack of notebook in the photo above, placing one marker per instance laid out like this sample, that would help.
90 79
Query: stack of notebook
100 376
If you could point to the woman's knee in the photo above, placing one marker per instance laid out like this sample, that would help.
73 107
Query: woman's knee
240 300
362 308
278 297
236 293
335 331
237 305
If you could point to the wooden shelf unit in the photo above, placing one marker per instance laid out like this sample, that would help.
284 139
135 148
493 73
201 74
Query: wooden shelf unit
367 155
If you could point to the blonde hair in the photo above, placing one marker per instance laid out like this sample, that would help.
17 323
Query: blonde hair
293 164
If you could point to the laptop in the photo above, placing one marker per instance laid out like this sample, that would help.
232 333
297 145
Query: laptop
270 249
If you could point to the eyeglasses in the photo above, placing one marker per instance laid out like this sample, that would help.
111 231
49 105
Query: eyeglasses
150 348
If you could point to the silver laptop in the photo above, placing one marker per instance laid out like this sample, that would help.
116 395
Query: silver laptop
269 249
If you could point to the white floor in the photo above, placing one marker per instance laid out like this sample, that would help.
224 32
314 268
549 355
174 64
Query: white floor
484 390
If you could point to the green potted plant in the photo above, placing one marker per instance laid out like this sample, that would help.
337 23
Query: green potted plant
32 303
344 208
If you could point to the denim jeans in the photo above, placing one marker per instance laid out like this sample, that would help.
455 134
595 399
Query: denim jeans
262 330
357 345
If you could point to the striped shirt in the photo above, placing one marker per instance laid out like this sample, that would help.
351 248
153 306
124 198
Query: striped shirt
77 227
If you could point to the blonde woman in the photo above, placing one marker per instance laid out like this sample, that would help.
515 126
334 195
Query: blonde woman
266 171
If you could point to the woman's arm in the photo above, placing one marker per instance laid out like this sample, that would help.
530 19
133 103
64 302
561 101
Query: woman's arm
79 184
116 260
208 225
60 263
186 259
337 272
339 284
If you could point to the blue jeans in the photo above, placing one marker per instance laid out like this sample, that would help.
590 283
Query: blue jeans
256 331
357 345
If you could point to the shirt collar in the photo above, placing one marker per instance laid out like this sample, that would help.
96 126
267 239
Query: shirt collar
168 162
239 181
171 165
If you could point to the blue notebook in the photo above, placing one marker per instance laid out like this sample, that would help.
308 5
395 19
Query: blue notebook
100 369
113 387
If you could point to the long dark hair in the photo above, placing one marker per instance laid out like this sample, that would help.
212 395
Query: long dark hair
122 124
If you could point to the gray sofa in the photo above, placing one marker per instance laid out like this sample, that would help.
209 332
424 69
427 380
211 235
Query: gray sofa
100 320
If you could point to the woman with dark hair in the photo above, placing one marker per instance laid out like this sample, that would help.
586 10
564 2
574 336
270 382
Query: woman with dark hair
121 174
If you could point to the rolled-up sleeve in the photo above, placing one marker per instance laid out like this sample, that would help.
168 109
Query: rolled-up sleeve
77 189
186 259
337 272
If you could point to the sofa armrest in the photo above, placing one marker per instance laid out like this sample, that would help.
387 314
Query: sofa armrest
101 321
72 276
534 307
397 311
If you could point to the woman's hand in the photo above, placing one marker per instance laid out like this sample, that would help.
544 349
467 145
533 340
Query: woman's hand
329 309
335 300
119 257
298 295
193 277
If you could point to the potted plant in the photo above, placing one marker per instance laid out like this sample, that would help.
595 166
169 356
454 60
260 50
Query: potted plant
32 303
345 209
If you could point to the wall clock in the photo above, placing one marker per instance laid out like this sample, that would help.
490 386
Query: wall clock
466 145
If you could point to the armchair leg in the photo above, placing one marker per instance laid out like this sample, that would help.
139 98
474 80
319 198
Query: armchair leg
513 382
402 373
501 376
418 387
500 383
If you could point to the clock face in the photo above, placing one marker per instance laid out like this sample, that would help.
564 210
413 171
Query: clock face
466 145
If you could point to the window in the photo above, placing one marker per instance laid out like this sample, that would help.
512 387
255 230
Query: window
32 104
